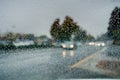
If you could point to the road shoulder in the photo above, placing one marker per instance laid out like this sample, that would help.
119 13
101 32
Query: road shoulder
89 63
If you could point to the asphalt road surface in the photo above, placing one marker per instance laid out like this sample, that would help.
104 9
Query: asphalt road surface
44 64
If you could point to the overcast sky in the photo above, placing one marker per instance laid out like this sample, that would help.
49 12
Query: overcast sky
36 16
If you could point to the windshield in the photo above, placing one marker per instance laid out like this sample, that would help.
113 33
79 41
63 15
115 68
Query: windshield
59 39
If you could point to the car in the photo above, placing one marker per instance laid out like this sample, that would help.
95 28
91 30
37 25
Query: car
96 43
69 45
99 44
91 43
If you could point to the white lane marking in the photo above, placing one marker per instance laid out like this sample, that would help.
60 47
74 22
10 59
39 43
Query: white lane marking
87 58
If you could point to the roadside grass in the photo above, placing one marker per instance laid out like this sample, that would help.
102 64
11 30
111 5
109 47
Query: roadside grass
112 66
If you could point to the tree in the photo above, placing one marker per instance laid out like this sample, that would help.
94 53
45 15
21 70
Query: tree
90 37
81 35
65 30
69 27
29 36
114 25
10 36
43 37
103 37
55 29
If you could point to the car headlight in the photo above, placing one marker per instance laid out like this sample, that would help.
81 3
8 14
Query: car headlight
63 45
91 43
98 44
103 44
71 46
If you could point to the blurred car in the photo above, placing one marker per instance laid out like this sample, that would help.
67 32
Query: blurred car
99 44
96 43
91 43
69 45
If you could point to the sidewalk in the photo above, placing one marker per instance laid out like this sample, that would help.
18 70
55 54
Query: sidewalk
90 63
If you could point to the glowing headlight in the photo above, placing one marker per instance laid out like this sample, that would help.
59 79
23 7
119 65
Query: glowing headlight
98 44
71 46
103 44
92 43
63 45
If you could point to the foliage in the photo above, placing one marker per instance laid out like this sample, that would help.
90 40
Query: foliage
81 35
114 24
10 36
29 36
65 30
103 37
55 29
43 37
69 28
89 37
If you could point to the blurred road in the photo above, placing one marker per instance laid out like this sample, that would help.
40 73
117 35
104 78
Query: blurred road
44 64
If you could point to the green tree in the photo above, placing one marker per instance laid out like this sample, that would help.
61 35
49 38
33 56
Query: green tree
55 29
90 37
29 36
43 37
114 25
103 37
10 36
81 35
68 28
65 30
